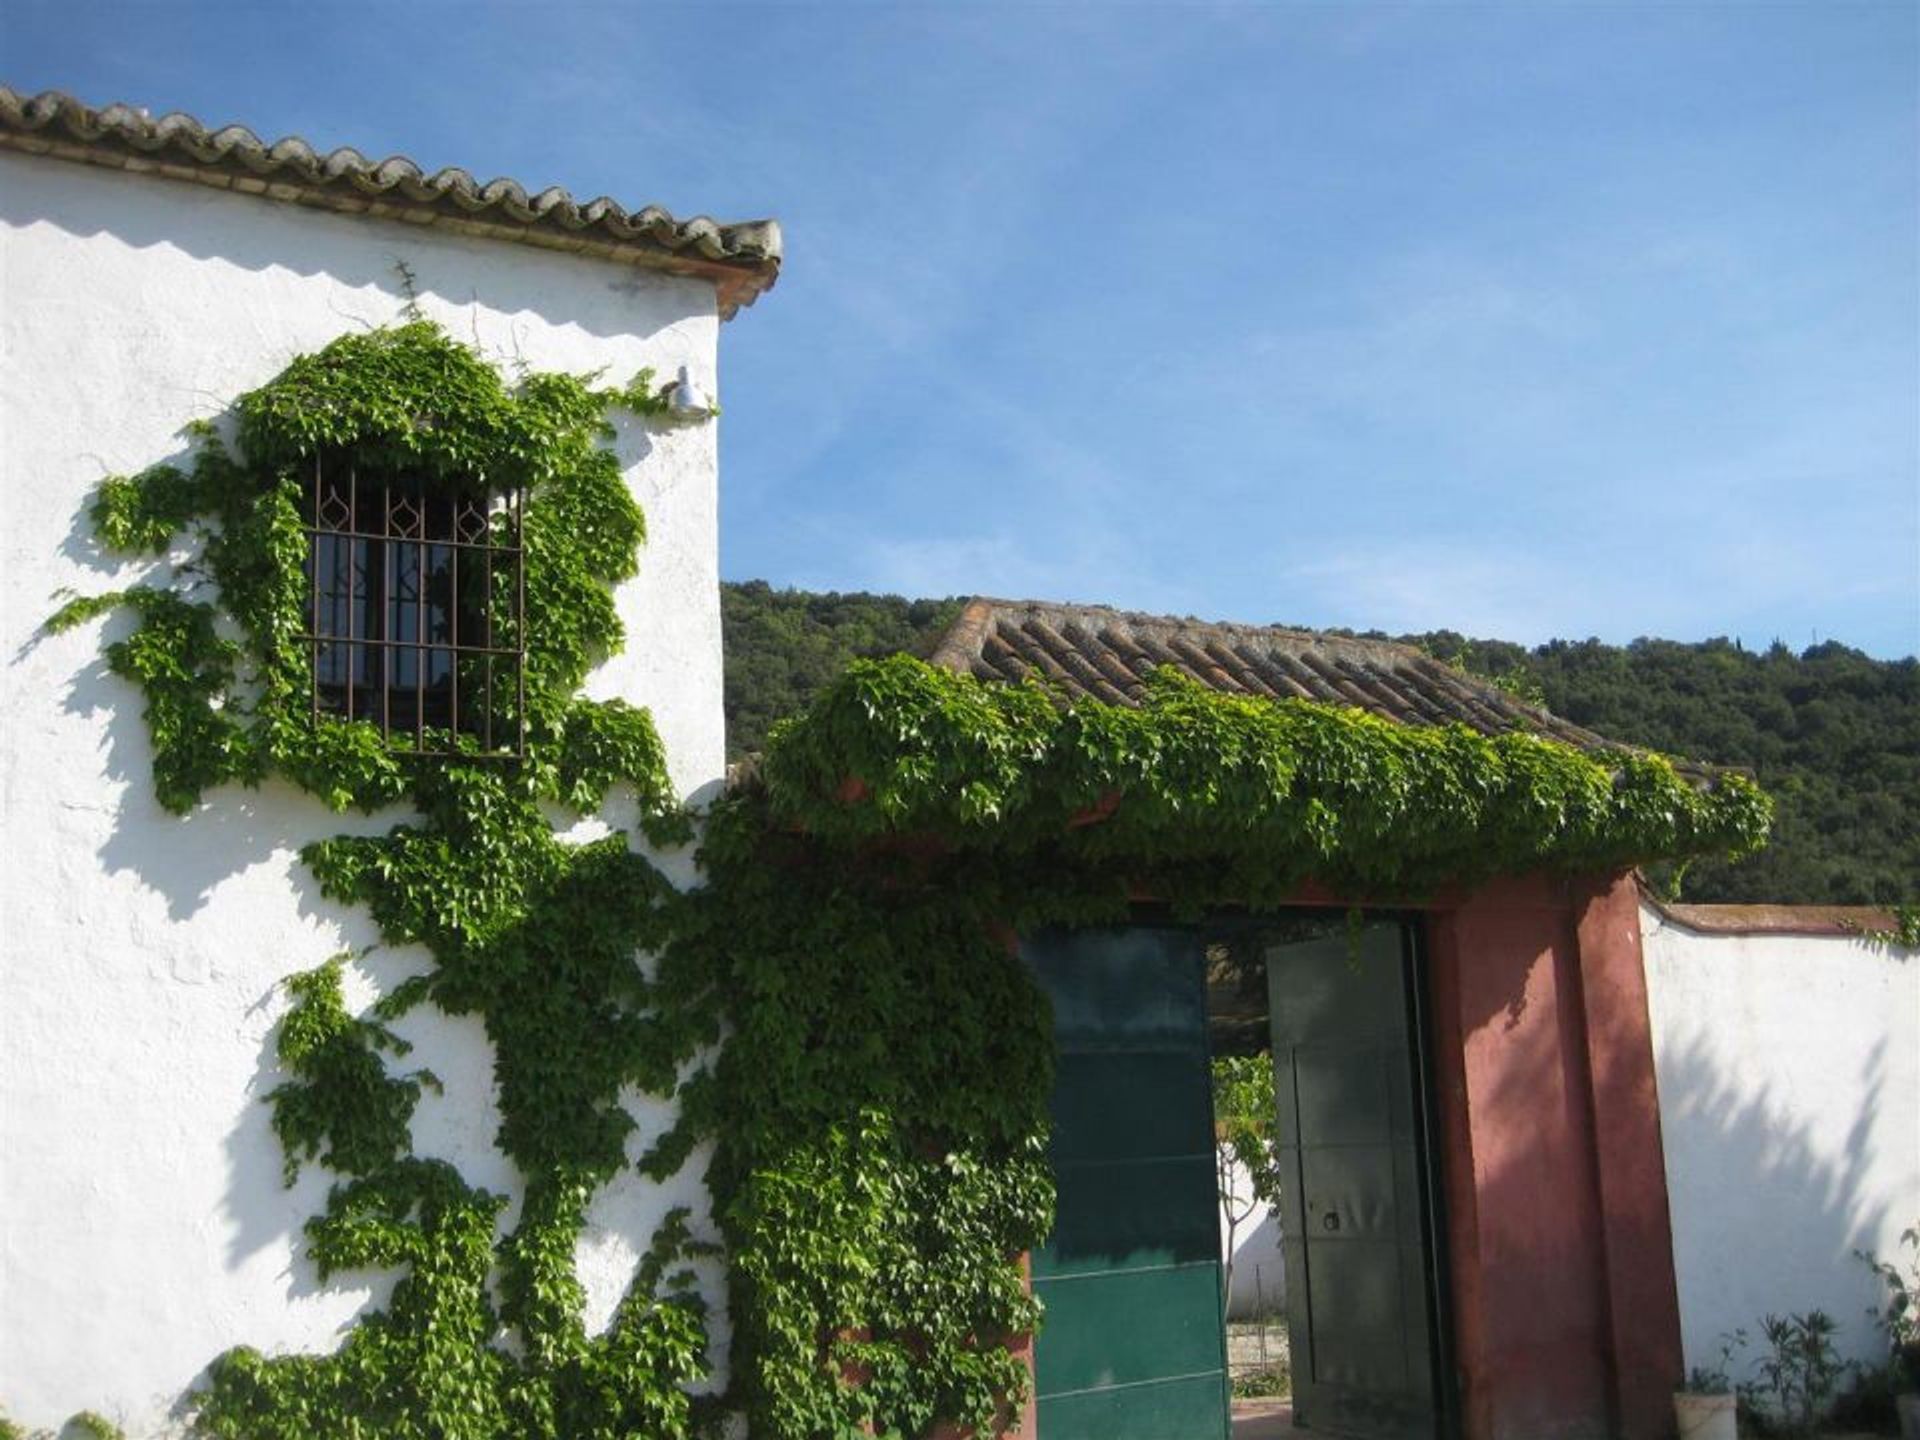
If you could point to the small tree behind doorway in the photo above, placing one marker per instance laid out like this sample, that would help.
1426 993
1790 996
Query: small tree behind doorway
1245 1160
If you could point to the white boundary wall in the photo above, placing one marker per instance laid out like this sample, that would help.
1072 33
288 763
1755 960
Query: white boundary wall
143 1224
1259 1270
1789 1072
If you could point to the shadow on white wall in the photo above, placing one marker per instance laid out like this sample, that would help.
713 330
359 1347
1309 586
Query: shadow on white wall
1768 1206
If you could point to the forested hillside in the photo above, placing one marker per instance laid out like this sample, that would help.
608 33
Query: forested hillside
782 645
1832 734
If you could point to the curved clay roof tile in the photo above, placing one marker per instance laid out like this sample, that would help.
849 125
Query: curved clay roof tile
1085 648
742 260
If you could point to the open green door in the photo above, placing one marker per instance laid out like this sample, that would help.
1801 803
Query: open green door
1133 1347
1356 1214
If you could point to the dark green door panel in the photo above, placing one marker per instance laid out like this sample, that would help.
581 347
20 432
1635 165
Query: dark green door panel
1130 1214
1355 1220
1133 1344
1136 987
1115 1104
1129 1327
1164 1410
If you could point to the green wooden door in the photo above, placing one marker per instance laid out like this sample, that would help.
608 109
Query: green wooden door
1356 1237
1133 1347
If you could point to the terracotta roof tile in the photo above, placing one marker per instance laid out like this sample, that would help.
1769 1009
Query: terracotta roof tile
1092 651
742 260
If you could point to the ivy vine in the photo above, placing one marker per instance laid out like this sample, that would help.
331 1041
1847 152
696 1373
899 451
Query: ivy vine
879 1113
1903 933
539 938
83 1425
840 1009
1206 798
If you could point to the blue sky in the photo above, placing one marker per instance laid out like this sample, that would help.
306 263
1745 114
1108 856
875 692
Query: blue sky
1526 321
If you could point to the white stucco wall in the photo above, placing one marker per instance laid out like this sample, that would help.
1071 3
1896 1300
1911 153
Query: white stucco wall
1259 1274
1789 1073
143 1225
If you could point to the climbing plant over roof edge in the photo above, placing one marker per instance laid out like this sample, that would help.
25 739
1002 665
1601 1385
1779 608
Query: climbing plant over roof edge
1276 791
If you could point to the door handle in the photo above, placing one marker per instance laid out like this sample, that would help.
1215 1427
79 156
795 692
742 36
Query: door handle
1330 1222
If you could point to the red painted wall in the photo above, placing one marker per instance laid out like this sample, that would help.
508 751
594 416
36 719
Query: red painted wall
1566 1316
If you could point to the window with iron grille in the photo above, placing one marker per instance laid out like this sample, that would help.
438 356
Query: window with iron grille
416 610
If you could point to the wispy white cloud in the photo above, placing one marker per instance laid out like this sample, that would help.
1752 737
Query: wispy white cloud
1078 569
1612 583
999 565
1400 587
1402 316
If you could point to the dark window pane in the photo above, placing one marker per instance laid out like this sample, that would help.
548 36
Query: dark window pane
414 608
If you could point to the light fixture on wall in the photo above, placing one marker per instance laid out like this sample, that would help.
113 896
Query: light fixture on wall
686 401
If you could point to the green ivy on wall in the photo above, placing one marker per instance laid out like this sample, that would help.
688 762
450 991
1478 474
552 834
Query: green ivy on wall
879 1111
85 1425
538 938
839 1010
879 1115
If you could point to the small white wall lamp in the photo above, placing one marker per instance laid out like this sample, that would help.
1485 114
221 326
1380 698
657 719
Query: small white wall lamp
686 401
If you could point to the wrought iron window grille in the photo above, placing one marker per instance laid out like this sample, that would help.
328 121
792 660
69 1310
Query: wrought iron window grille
416 611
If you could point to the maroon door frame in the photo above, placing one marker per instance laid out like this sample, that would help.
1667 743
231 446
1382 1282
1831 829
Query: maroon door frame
1566 1316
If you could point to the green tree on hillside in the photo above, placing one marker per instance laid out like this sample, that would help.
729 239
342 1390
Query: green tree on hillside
1833 735
783 645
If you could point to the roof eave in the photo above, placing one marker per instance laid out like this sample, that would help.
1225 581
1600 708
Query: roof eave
741 260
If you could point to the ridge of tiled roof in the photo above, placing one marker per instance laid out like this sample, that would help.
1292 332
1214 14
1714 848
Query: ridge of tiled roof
742 260
1095 652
